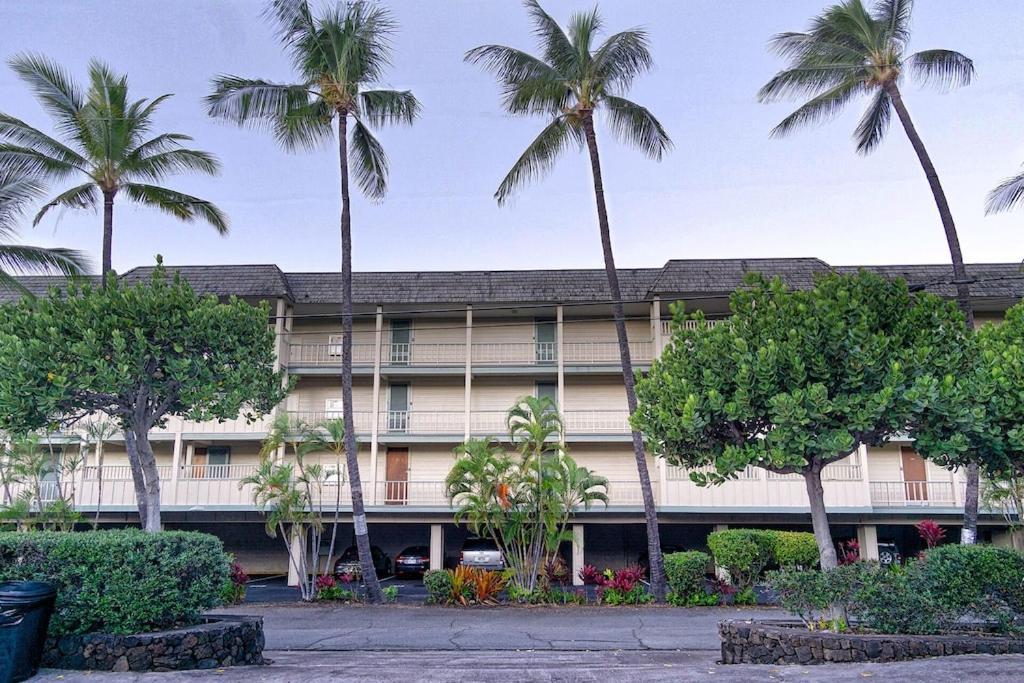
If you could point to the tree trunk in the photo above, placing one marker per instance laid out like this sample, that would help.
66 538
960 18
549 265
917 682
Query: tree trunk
963 295
819 518
108 231
358 510
138 478
657 566
148 461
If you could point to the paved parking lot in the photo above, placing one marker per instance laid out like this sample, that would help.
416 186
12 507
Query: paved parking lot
406 643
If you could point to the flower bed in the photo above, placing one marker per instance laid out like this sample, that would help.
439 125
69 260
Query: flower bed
745 642
217 642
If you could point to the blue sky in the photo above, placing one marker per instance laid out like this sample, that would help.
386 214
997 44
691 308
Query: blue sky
727 189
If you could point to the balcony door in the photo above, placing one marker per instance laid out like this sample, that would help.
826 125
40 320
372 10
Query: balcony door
211 462
545 338
396 476
398 408
915 474
401 342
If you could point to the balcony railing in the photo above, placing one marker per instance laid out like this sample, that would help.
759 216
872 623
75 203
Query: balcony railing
912 493
606 352
327 354
666 325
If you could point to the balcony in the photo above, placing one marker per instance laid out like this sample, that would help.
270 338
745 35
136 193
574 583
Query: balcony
914 494
321 355
666 325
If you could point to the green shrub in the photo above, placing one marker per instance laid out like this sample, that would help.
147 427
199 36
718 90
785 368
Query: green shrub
124 581
983 582
438 583
892 600
685 571
390 593
744 553
795 549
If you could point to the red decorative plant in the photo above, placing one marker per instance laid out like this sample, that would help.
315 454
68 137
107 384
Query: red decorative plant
325 581
930 532
238 575
590 576
849 551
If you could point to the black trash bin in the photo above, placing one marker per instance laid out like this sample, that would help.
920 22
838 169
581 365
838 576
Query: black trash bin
25 609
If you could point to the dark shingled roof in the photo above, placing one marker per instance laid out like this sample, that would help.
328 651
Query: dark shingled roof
492 286
257 281
678 277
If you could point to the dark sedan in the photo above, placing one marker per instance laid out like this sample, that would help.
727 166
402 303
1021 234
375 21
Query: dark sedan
413 561
348 563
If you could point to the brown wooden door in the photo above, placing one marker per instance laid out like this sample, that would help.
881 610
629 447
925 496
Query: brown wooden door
396 477
915 474
199 463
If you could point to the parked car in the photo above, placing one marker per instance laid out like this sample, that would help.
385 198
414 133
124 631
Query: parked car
413 561
482 553
348 563
889 554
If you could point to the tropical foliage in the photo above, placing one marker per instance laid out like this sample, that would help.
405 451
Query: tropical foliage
523 499
104 144
797 379
340 55
573 81
44 474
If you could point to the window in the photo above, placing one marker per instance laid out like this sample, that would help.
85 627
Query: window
545 340
212 462
548 390
401 342
398 407
334 345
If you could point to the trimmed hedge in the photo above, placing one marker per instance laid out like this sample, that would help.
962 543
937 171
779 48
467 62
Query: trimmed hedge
685 572
745 553
120 582
438 583
796 549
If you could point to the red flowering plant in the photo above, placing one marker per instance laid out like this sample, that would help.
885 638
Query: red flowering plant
233 592
930 532
328 588
623 587
849 552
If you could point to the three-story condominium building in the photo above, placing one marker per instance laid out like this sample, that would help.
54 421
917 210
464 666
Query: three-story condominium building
439 357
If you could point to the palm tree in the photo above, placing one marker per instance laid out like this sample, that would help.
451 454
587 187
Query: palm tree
329 435
1007 195
571 82
15 192
850 51
104 142
339 55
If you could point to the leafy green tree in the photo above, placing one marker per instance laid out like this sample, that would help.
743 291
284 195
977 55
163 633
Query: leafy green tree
570 83
340 55
849 51
139 354
16 191
523 499
104 143
797 380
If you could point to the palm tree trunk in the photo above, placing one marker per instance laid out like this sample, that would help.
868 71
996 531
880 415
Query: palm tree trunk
351 456
819 517
969 533
108 231
657 569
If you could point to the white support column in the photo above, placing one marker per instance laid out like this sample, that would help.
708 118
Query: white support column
190 451
175 467
867 537
559 352
289 322
662 481
656 326
578 547
378 342
279 336
467 401
436 546
719 571
865 476
294 560
953 484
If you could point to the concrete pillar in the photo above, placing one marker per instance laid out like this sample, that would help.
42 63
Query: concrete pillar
437 546
378 337
867 537
467 401
294 560
175 468
865 475
663 482
190 451
577 553
559 353
656 335
279 336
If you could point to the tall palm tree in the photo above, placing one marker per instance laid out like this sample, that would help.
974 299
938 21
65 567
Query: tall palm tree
572 81
16 191
849 51
340 55
104 143
1007 195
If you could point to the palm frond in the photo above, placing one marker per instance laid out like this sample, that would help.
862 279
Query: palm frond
894 15
528 84
636 126
540 156
1007 195
158 166
34 162
20 133
559 51
52 85
380 107
369 162
305 127
254 102
178 204
944 69
622 58
16 191
25 259
79 197
355 41
874 123
820 108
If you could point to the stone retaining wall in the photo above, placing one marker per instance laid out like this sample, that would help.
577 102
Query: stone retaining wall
745 642
220 641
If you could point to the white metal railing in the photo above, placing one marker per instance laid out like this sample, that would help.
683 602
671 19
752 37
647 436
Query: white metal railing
421 493
666 325
416 353
515 353
912 493
207 471
605 352
677 473
423 422
363 419
327 354
596 421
